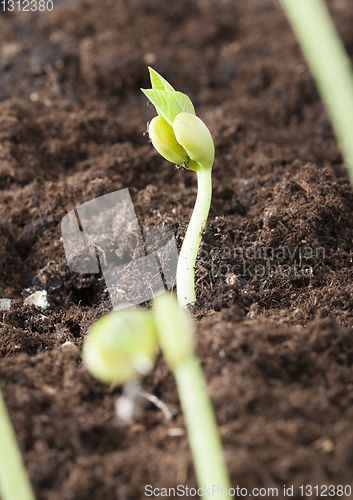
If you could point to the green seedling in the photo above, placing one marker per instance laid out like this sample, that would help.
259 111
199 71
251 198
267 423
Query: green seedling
183 139
122 338
329 65
14 483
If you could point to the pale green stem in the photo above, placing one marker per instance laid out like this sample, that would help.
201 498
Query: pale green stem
14 483
329 65
175 330
202 428
188 253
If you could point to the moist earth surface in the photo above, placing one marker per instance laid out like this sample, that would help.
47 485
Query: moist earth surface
274 310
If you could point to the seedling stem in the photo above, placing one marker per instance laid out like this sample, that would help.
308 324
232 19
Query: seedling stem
14 483
329 65
192 240
201 425
175 330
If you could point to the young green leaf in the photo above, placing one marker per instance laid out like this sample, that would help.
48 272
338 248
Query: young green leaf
169 104
158 82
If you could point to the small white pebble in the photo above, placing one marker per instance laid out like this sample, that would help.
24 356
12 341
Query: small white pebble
67 344
38 299
232 280
5 303
34 97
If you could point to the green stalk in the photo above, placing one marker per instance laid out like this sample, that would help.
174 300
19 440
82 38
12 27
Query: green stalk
175 331
202 427
14 483
329 65
187 258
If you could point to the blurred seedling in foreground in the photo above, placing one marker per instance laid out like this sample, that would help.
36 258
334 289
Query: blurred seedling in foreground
329 65
123 344
14 482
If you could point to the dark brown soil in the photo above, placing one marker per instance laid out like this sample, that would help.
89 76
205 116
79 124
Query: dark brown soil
274 275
